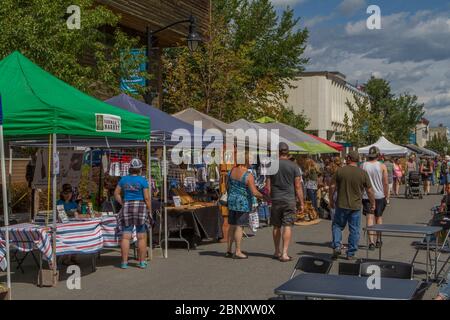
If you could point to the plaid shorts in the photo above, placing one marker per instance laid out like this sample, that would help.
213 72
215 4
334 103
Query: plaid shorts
133 213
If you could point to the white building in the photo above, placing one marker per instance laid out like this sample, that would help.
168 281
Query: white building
441 130
323 96
422 132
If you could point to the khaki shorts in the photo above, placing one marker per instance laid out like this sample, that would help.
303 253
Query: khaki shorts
283 213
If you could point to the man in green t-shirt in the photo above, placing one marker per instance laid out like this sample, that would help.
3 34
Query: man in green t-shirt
349 182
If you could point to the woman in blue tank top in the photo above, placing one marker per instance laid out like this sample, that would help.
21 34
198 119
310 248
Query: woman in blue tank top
241 188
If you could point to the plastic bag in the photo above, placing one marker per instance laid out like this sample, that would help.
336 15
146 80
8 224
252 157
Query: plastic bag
254 221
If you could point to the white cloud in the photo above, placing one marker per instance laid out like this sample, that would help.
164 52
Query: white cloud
350 7
311 22
411 51
287 2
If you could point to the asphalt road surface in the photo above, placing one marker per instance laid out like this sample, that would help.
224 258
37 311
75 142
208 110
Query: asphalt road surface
205 273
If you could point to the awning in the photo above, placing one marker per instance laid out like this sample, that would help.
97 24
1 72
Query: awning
36 104
386 147
334 145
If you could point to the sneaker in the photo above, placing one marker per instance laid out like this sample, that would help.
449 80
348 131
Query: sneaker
124 265
143 265
336 254
371 247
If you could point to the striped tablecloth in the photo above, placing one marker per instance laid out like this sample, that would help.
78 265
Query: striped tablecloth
87 236
79 237
3 262
26 237
108 224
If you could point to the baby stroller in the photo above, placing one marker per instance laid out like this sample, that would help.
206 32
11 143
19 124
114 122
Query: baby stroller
413 183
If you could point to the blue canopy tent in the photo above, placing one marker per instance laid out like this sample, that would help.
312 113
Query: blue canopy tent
163 124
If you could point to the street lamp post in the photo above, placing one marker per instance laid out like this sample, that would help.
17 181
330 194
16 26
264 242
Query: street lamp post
193 42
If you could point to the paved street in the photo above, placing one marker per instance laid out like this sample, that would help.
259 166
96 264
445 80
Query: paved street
205 274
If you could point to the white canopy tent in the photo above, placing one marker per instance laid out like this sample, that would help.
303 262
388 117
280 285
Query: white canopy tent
386 147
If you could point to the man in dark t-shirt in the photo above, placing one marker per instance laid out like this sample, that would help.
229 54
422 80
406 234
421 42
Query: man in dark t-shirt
284 187
350 183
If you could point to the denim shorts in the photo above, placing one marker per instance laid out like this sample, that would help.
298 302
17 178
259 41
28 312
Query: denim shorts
139 229
237 218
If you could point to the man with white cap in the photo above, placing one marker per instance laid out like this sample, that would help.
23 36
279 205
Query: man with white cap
378 176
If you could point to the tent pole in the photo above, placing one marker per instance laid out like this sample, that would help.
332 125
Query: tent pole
5 211
149 177
55 155
166 244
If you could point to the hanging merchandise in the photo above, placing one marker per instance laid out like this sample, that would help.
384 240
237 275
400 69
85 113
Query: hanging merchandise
213 172
190 184
105 163
114 170
156 173
124 165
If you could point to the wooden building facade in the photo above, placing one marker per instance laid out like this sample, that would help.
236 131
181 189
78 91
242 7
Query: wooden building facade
138 15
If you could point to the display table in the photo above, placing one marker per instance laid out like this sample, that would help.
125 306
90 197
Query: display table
204 219
27 237
407 231
330 286
3 262
78 237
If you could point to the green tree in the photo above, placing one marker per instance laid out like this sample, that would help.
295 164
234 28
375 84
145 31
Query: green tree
403 118
362 126
439 143
399 115
210 80
242 70
380 95
38 30
290 117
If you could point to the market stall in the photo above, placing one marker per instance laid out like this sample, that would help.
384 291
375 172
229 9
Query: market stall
386 148
37 105
184 187
334 145
421 151
299 138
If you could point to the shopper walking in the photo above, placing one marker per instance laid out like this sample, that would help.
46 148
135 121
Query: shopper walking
311 177
390 171
350 182
398 176
135 212
241 189
378 176
284 187
426 170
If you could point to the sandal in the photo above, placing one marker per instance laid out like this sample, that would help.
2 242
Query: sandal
289 259
229 254
240 258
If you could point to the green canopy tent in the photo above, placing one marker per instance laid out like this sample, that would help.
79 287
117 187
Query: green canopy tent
311 145
38 105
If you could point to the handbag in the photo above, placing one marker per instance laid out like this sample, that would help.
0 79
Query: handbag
224 199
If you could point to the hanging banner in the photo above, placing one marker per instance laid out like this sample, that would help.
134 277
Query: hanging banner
131 84
69 168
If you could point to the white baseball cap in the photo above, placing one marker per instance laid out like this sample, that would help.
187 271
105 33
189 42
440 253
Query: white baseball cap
136 164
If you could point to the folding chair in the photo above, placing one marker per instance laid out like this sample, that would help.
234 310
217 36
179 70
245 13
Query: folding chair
310 264
398 270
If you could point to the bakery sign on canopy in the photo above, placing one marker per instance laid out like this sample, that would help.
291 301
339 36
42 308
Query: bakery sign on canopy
108 123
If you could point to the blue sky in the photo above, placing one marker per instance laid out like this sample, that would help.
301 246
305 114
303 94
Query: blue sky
412 50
